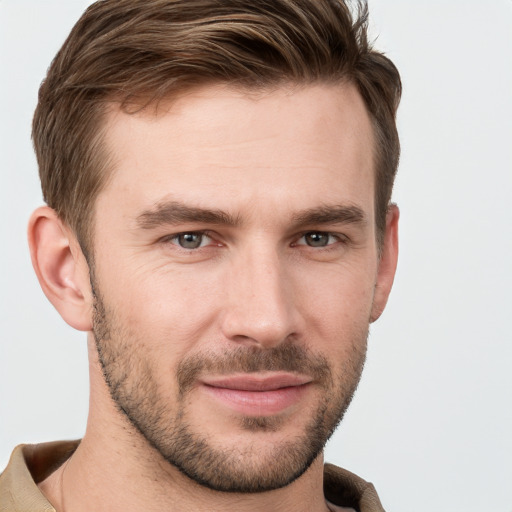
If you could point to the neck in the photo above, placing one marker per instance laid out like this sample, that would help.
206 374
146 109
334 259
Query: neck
104 475
115 469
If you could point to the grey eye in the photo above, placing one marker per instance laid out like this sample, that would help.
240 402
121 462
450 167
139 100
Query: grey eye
317 239
190 240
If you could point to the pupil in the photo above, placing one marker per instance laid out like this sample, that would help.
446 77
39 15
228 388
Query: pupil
190 240
317 239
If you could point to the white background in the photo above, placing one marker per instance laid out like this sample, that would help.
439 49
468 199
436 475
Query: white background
432 420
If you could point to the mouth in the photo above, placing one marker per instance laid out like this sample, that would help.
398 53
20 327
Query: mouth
257 394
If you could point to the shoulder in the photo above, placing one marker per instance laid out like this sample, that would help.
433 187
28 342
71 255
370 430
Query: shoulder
30 464
343 488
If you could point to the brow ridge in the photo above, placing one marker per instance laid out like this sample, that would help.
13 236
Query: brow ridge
175 212
331 214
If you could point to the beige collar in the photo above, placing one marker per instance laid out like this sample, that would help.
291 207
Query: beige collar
31 464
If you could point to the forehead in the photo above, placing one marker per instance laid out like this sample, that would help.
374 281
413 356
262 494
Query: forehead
222 147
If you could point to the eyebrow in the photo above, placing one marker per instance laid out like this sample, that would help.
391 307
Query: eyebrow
174 212
335 214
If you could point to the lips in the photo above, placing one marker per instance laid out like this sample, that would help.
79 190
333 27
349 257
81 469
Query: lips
257 394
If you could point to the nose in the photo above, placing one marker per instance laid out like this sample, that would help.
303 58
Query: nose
261 308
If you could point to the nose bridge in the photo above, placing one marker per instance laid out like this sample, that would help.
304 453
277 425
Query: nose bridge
261 307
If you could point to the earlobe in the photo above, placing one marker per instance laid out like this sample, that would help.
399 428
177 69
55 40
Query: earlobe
387 263
61 268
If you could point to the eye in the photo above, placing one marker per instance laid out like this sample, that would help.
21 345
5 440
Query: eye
191 240
318 239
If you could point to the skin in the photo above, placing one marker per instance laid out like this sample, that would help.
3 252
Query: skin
267 275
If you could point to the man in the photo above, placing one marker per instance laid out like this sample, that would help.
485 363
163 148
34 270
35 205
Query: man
218 178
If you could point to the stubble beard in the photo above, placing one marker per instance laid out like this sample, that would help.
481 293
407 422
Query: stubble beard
136 393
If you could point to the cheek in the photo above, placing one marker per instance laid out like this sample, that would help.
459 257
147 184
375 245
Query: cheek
336 301
166 309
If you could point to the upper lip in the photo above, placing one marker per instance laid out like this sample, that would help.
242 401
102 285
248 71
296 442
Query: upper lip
257 381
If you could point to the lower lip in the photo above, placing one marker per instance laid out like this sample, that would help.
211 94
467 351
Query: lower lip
258 403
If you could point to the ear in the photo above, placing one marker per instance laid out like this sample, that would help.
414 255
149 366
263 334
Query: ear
387 263
61 267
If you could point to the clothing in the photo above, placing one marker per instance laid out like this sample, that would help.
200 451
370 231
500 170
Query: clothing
31 464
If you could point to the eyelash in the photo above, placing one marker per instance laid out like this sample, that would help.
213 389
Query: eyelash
338 238
171 238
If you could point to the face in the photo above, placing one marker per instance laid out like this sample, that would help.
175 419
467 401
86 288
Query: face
234 272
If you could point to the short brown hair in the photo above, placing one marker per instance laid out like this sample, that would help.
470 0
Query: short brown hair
121 50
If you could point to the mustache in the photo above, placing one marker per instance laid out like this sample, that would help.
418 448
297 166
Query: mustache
286 357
